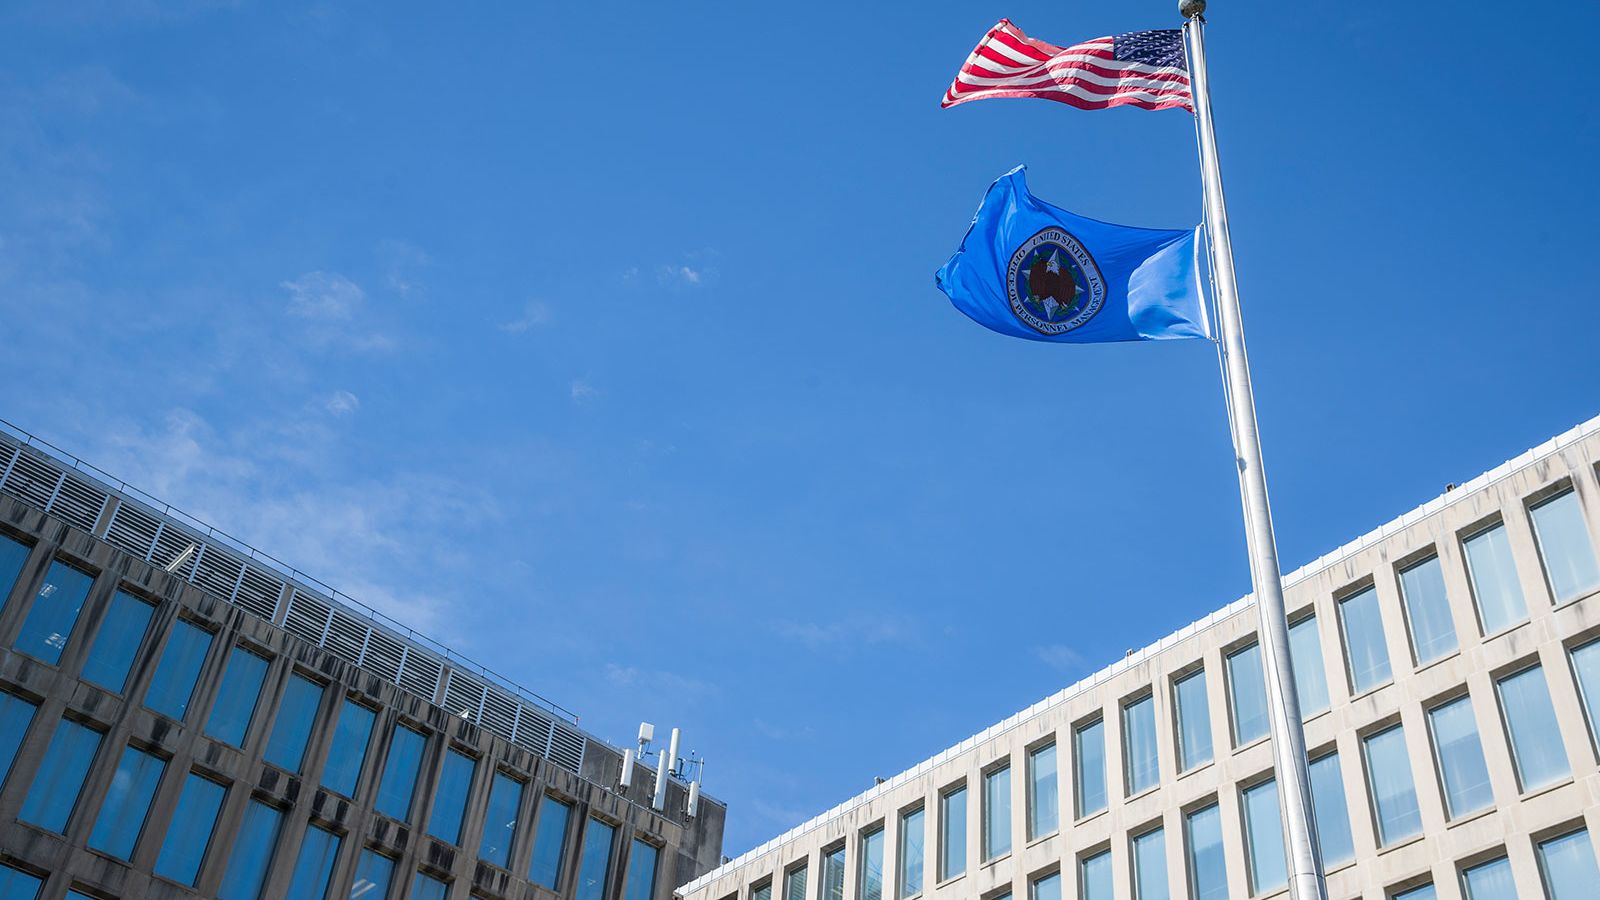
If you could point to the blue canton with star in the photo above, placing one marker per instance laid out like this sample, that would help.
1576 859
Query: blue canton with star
1153 48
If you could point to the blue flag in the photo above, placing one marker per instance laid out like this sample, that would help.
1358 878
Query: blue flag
1036 271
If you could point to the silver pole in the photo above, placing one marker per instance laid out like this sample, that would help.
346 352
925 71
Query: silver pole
1288 739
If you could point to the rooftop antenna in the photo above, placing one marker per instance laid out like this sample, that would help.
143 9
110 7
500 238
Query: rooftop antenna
665 767
647 733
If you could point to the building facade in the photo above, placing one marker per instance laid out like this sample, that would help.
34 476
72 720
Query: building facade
1448 667
181 717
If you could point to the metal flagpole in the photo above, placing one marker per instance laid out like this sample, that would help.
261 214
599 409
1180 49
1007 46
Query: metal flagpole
1288 739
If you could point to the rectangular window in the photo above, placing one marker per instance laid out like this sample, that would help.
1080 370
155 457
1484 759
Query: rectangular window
1194 720
761 892
348 749
595 864
15 716
1459 755
59 781
794 883
1535 737
872 865
1364 645
1490 881
1585 663
549 843
952 833
13 556
1310 673
1043 798
1567 866
1264 838
642 872
399 780
117 642
314 867
374 872
997 813
173 684
53 613
1494 580
450 797
500 820
1142 768
1094 877
236 699
1425 892
1207 866
426 887
1433 634
1564 547
833 874
1047 888
189 833
252 853
1394 794
1150 866
1330 810
121 817
16 884
1089 767
913 837
1248 691
297 711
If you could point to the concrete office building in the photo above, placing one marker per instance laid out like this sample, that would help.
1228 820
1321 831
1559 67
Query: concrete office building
183 717
1449 672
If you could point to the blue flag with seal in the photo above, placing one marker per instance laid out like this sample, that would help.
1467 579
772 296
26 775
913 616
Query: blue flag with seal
1033 270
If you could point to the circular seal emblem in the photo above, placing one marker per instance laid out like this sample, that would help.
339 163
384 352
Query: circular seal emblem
1053 283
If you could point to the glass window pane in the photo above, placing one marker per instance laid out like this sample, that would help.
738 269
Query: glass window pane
399 780
1494 580
500 820
286 748
1139 744
1194 720
1460 757
16 884
872 865
1490 881
1433 634
237 697
121 816
450 798
1047 888
190 830
997 813
764 892
314 867
53 613
832 875
642 872
252 853
1208 870
1043 799
58 782
1425 892
1094 874
13 556
1567 865
117 642
15 716
913 837
1150 866
1264 838
1585 662
348 749
1310 674
794 884
952 833
1248 691
1564 547
549 840
595 862
1394 794
1089 756
424 887
1332 812
374 872
1535 737
173 683
1364 644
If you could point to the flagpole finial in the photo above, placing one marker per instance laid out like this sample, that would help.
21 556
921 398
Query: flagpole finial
1191 9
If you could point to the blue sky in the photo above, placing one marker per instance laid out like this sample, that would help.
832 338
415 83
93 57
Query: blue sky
600 340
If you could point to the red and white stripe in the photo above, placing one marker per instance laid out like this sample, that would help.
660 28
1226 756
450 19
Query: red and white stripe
1008 63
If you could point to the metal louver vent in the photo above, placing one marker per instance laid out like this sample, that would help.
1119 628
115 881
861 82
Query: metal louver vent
419 673
216 572
533 730
258 592
133 530
567 746
499 713
307 617
383 656
347 636
33 481
79 503
463 695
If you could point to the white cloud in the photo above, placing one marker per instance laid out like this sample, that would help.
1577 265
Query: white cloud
402 262
534 314
582 391
860 629
681 276
1059 656
324 296
341 403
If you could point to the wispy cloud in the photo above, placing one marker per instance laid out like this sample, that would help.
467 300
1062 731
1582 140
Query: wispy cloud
681 276
534 315
856 630
341 403
582 391
1059 656
324 296
403 263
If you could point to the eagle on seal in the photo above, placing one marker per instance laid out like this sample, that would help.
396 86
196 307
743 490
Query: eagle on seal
1052 285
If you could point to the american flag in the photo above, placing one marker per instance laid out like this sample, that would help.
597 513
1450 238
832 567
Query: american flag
1146 69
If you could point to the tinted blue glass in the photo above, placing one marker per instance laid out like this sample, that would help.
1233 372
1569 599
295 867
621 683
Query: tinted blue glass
121 816
1194 720
1394 794
1043 799
348 749
596 860
237 697
832 876
72 895
794 883
314 865
996 813
872 865
374 872
1095 877
117 642
1567 864
1433 634
1264 834
1585 662
56 785
1208 869
500 820
1332 812
1364 643
15 715
1047 888
53 613
1565 547
1150 866
1425 892
1310 674
913 837
426 888
642 873
1089 746
399 780
286 748
952 833
1460 756
450 797
16 884
190 831
13 556
1248 692
173 683
1139 745
1490 881
1494 580
549 839
1535 737
252 853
